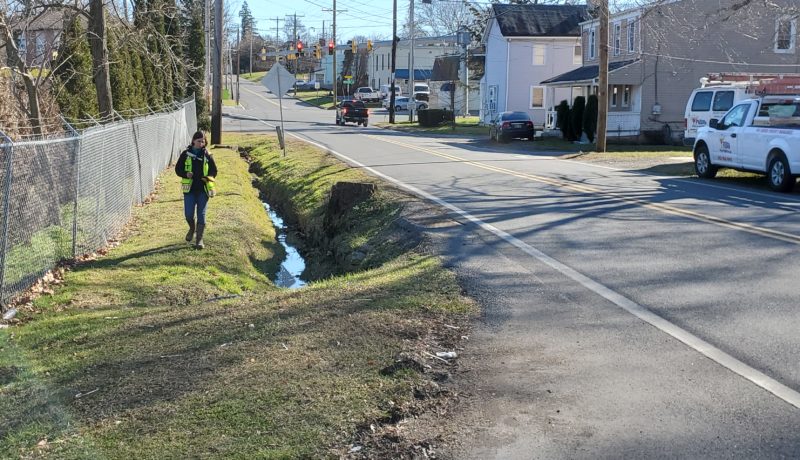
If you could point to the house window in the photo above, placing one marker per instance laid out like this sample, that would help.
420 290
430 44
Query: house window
538 54
592 43
40 44
626 96
614 96
577 55
537 97
785 34
22 45
617 39
632 36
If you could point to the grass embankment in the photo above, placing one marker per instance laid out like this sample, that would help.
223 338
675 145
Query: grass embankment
227 99
133 357
319 98
464 125
255 76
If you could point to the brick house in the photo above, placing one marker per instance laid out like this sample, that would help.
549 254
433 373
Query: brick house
38 38
657 55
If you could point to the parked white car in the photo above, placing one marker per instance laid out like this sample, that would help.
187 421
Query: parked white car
367 94
758 135
401 104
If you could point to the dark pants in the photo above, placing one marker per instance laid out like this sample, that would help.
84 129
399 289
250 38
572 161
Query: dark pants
192 200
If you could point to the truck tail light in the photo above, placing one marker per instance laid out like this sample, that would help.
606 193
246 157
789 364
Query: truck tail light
506 125
530 124
344 111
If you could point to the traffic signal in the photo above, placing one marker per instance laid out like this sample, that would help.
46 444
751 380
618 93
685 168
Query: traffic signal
317 52
353 46
263 54
369 46
330 47
299 47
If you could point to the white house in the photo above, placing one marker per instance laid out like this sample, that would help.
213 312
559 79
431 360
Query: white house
426 50
526 44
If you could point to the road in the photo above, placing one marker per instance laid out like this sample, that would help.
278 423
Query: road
625 315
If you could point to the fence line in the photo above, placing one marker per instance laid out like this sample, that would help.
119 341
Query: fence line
67 196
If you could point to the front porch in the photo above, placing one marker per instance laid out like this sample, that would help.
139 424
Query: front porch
620 124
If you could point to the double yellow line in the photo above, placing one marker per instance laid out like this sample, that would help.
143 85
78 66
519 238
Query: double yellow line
581 188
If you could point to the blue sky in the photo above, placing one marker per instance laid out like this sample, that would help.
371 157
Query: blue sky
363 17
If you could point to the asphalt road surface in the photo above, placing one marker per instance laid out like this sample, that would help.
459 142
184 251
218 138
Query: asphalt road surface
625 315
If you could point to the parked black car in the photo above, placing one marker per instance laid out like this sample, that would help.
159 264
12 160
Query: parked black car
353 112
510 125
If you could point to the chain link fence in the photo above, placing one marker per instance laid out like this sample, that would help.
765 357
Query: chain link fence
64 197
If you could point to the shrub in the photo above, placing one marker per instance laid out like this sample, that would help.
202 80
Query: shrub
590 118
434 117
562 119
576 116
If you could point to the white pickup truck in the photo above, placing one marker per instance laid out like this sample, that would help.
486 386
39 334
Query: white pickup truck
367 94
758 135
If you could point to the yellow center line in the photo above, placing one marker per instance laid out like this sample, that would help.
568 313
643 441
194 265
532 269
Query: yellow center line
660 207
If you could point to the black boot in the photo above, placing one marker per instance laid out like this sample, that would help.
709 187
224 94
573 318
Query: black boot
190 235
199 242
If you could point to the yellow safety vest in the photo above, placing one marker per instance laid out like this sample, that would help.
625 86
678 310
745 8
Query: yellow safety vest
209 183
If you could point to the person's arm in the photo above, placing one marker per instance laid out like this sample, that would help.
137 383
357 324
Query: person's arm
180 166
212 166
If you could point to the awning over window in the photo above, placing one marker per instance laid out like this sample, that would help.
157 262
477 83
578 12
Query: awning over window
586 74
419 74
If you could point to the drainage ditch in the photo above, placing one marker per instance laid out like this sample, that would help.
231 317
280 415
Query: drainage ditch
290 273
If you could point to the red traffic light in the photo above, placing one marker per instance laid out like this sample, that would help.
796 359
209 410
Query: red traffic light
299 46
330 47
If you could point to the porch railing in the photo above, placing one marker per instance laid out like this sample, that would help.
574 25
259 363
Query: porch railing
619 123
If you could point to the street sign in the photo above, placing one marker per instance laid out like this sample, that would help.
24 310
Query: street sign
348 80
278 79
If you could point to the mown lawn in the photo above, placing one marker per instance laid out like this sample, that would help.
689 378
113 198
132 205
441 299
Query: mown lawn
464 125
158 350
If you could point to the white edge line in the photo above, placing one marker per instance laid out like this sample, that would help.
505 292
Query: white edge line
710 351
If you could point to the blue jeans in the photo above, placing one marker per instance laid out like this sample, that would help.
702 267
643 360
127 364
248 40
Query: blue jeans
192 200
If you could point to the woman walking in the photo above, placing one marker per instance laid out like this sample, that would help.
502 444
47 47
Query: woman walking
197 169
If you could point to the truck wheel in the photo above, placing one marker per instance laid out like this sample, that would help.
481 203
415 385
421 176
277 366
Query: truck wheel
365 123
702 163
779 176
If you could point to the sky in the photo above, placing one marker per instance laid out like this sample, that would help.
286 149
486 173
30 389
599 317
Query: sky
370 18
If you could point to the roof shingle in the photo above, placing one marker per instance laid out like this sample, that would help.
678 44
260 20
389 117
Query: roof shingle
540 20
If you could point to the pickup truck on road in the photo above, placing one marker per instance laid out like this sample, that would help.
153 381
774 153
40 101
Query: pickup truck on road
758 135
353 112
367 94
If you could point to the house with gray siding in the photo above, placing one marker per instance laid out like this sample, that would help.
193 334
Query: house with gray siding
657 55
526 44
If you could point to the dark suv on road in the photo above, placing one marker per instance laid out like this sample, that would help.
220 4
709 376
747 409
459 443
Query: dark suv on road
510 125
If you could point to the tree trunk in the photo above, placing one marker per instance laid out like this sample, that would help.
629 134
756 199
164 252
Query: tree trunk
32 91
101 74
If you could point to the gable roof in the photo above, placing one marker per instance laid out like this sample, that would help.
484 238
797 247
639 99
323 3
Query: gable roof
540 20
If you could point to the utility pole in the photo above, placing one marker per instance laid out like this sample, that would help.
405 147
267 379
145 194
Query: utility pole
206 93
335 79
394 58
333 39
238 63
216 106
412 100
602 94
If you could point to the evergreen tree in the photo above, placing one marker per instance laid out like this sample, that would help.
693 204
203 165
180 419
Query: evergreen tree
73 73
196 59
119 66
563 120
247 20
576 115
590 117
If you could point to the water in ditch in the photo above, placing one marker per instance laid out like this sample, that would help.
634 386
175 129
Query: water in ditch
292 267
